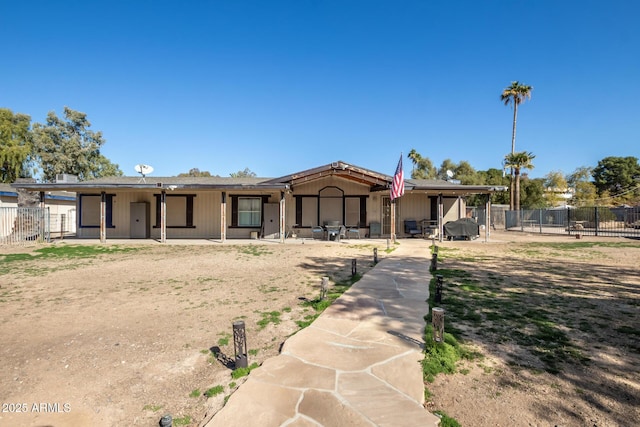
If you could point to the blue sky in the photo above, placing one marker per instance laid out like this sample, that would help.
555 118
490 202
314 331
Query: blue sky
283 86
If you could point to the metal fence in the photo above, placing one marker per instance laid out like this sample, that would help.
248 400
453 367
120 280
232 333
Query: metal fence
24 225
62 225
593 221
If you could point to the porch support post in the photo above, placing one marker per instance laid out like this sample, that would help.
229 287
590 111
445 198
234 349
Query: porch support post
163 216
487 221
103 217
42 196
223 217
440 217
393 220
282 216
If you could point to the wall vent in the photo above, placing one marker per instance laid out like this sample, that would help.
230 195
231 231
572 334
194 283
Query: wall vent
66 177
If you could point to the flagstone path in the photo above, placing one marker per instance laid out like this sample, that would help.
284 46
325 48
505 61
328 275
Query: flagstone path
358 364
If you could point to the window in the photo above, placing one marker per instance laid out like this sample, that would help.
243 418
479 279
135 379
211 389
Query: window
246 211
352 214
179 210
307 211
249 211
90 210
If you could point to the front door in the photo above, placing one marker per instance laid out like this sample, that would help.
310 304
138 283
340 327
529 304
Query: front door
139 224
271 220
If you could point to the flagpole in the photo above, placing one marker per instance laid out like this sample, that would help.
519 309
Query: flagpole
397 190
393 221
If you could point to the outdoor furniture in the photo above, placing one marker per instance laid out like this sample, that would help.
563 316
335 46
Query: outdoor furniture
342 234
317 232
429 228
411 228
333 231
354 230
465 228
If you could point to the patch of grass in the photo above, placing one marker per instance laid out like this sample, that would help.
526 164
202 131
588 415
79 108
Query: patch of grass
223 341
183 421
152 408
214 391
628 330
253 352
269 317
243 372
195 393
254 250
319 305
442 357
446 421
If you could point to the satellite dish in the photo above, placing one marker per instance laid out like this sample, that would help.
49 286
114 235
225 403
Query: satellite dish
143 170
449 173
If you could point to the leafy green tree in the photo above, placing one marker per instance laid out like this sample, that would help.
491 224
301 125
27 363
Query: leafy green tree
555 186
491 176
516 162
532 193
246 173
195 172
68 146
466 174
584 191
516 93
15 145
422 166
620 177
446 165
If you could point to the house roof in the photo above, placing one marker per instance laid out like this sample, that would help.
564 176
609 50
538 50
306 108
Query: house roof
338 169
375 180
8 190
153 182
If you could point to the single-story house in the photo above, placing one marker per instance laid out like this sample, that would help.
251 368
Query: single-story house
223 208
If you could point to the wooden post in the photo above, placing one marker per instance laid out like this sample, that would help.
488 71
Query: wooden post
440 218
282 217
223 217
163 217
103 217
487 221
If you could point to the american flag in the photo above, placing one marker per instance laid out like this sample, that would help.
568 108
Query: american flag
397 187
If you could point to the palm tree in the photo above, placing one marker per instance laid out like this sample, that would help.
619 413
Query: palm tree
422 166
518 161
515 94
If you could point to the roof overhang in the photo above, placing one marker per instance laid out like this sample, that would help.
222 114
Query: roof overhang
448 189
164 184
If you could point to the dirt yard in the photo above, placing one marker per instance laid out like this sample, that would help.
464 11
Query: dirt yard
127 335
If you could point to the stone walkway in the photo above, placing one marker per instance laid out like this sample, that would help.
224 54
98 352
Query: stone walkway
358 364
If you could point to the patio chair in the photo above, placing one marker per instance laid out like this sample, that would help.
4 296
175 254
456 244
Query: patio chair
411 228
342 234
353 230
317 232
